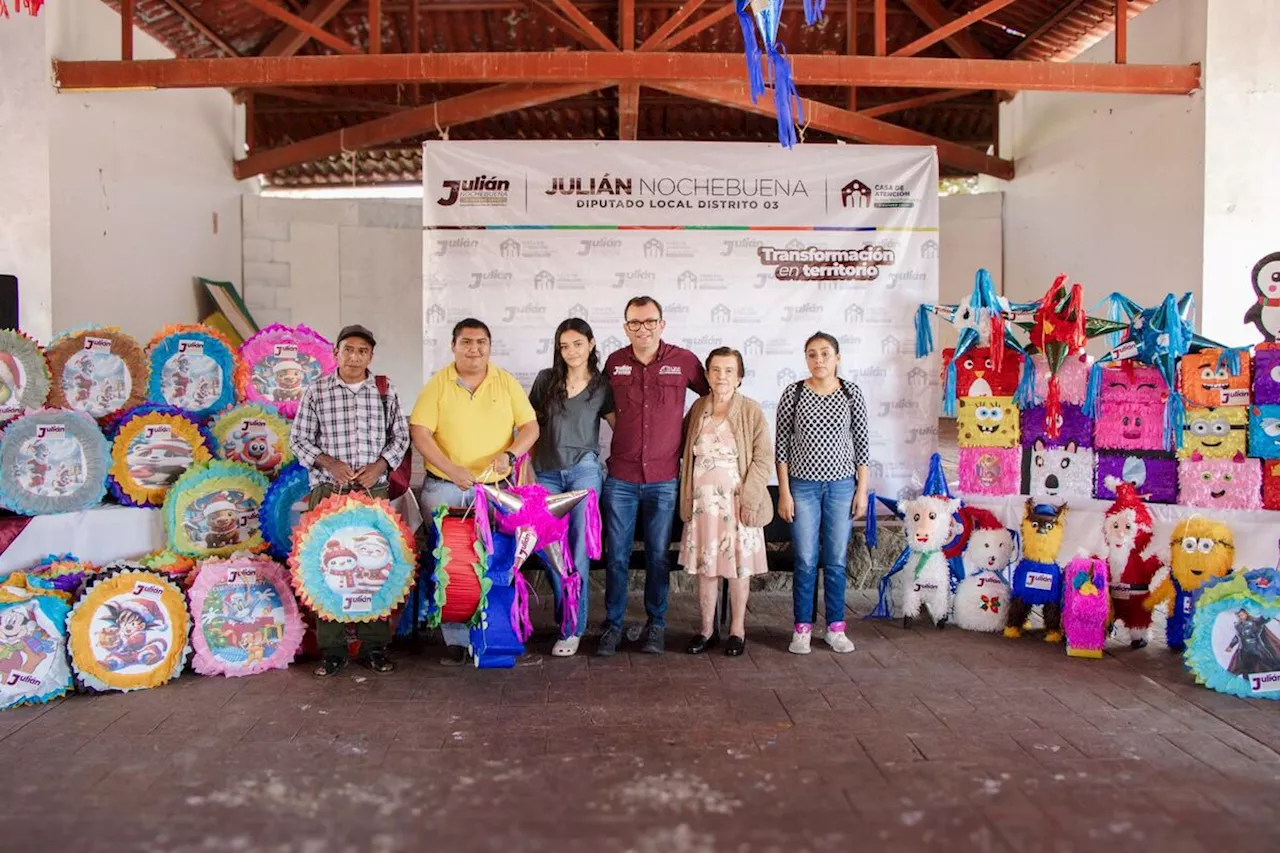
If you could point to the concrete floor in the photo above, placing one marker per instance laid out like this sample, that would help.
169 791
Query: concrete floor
919 740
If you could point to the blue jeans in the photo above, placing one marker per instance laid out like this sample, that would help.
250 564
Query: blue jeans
655 503
823 522
434 493
585 475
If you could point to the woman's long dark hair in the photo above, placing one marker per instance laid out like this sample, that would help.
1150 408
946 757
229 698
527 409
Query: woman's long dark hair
560 371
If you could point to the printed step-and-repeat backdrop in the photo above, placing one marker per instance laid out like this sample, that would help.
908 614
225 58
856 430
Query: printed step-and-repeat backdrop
745 245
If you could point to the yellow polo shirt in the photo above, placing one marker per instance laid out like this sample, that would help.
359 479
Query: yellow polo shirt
471 428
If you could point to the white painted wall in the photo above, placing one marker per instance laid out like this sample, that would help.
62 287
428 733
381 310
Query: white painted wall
1242 155
971 238
1110 189
326 263
25 106
143 196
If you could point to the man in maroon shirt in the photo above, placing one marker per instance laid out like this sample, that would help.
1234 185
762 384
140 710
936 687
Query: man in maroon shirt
650 380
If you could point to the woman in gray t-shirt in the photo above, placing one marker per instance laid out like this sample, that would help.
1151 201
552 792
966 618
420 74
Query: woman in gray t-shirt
570 398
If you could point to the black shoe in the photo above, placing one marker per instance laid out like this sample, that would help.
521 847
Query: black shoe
736 646
700 644
906 623
609 639
655 640
942 623
378 662
330 666
1140 643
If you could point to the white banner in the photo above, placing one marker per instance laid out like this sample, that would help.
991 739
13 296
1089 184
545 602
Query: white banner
744 245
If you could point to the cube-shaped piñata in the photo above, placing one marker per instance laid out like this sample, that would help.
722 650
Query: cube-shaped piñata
1074 427
989 470
1154 475
1215 433
987 422
1266 374
1073 377
1270 484
1221 483
1205 381
976 374
1264 431
1057 472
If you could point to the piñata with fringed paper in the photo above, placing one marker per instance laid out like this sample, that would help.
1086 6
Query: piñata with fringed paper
66 572
1058 472
1086 608
1264 431
33 641
1200 549
24 375
255 435
1270 484
178 567
930 565
1037 578
759 21
1159 337
1073 377
99 371
193 368
353 558
460 581
1234 483
129 629
279 363
51 461
246 619
151 448
977 376
1266 374
276 518
212 510
539 520
1073 427
1130 405
1235 640
988 422
990 470
1213 377
982 597
1215 433
1153 474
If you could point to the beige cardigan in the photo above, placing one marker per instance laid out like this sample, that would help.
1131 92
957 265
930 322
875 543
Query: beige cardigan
755 458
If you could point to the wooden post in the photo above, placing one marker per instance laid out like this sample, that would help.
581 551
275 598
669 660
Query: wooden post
851 46
882 29
1122 31
375 26
126 30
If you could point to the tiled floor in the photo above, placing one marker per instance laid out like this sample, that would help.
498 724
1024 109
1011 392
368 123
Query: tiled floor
919 740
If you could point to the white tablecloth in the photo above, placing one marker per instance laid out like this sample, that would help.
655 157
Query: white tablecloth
98 536
1255 533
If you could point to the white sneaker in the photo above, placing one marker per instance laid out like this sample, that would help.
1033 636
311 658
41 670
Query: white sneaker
566 648
800 642
839 642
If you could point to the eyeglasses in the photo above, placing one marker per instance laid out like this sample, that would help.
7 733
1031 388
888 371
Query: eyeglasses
634 325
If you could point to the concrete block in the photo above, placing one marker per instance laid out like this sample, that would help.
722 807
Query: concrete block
256 249
318 210
275 273
260 294
267 316
264 230
389 213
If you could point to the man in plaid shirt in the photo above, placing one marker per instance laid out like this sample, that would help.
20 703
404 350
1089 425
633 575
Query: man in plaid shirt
349 437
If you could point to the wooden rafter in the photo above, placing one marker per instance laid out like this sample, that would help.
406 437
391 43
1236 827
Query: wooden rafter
618 67
201 27
849 125
913 103
881 27
1122 31
375 26
308 97
561 23
440 116
952 27
706 22
303 26
669 25
936 16
126 29
289 41
1048 26
583 23
628 93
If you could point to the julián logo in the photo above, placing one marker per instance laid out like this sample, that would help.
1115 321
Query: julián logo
480 191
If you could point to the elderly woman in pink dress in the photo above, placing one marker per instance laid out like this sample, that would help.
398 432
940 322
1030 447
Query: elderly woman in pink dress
724 498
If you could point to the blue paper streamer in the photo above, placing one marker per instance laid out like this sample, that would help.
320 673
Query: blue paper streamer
275 516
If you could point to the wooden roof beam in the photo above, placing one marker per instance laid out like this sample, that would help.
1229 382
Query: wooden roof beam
201 27
937 16
437 116
952 27
849 125
306 29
